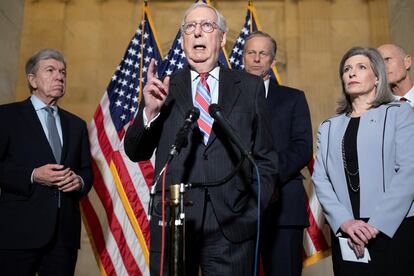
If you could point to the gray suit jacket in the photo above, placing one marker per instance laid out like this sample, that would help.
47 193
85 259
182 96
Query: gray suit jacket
386 167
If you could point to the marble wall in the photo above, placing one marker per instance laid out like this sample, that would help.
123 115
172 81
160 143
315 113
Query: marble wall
11 16
400 23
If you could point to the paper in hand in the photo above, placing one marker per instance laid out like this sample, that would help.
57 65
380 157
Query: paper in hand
348 253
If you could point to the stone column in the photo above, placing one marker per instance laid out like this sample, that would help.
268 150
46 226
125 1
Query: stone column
11 15
401 21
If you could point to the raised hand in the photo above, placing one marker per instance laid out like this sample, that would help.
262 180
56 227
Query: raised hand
155 92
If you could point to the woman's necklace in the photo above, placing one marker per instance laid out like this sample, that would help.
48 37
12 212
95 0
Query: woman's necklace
348 173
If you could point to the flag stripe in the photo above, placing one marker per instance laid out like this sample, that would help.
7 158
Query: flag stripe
97 240
126 186
131 202
147 170
102 228
315 232
115 226
106 190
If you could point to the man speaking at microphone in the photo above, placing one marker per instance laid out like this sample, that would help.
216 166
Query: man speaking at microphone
220 219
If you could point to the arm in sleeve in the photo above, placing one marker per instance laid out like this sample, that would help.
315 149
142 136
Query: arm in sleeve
85 168
399 193
14 178
140 141
299 150
335 212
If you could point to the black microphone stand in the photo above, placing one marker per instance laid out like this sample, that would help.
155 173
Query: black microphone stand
177 216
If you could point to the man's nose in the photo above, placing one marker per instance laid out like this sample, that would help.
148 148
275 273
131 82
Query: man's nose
198 30
59 75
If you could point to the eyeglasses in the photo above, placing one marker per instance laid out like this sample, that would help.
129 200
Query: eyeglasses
206 26
262 54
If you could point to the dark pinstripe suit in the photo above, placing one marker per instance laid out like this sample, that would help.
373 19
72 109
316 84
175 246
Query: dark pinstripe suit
232 206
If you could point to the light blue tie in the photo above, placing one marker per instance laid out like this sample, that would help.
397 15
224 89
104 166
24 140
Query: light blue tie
54 139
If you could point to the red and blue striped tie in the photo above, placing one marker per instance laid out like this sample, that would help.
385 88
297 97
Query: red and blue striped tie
202 102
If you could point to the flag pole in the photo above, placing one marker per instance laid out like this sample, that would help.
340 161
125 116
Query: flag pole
142 28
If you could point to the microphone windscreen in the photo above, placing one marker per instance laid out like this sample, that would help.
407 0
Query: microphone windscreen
193 114
213 108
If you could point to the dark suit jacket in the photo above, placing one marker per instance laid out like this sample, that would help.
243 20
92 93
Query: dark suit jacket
241 97
292 136
29 212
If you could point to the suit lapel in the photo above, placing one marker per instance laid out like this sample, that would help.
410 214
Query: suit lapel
64 122
229 91
228 94
180 88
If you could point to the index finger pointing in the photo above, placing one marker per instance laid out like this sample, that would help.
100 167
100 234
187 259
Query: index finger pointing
151 69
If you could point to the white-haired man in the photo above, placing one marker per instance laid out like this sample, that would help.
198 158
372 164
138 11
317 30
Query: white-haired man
221 220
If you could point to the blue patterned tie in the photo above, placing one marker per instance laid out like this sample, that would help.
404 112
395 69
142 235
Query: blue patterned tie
203 101
54 139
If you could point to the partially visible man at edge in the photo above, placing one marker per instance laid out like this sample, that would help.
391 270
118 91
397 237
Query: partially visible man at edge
45 169
398 65
221 222
286 217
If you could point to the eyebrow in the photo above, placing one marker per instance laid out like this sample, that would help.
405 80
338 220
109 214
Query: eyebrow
54 67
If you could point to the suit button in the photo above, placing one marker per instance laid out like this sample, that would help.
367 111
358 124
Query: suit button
205 156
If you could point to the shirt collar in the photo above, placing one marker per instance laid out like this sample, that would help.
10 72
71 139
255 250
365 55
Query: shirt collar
266 84
213 73
409 96
38 104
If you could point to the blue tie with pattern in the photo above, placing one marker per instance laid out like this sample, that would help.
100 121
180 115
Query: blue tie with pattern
54 139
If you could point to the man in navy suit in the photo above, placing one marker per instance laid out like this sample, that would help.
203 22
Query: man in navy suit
44 171
222 218
286 217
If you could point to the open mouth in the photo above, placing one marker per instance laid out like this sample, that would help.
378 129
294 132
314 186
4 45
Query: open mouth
199 47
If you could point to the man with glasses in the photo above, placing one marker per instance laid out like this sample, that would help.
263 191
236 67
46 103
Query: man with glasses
285 218
221 218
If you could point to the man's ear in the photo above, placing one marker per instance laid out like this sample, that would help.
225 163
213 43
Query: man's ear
223 40
407 62
273 63
31 78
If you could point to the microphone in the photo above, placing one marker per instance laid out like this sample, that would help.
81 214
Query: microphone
181 140
215 112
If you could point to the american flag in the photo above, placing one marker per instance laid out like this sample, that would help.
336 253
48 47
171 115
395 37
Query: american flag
175 59
115 210
251 24
316 236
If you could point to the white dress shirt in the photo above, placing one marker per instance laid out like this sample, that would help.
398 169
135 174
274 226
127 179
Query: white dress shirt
409 96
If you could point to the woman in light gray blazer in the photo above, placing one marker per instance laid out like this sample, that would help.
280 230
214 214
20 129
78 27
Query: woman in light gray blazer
364 171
